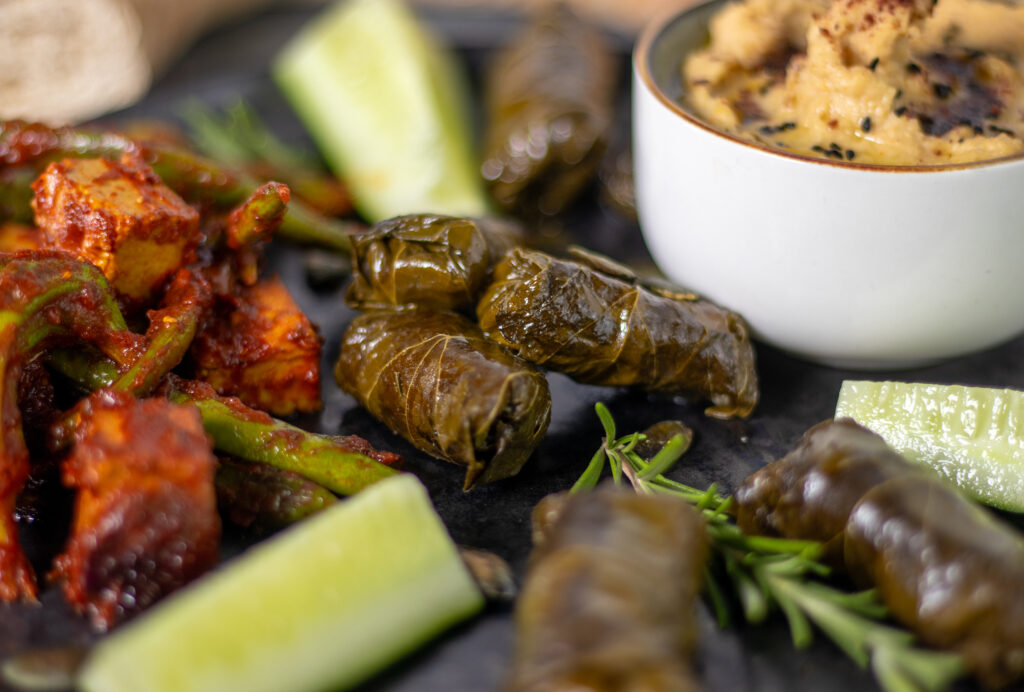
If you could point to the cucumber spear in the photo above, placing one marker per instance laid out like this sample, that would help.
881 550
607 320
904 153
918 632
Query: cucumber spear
387 105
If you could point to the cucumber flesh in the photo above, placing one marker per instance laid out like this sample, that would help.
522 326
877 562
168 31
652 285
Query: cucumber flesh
972 436
320 606
388 108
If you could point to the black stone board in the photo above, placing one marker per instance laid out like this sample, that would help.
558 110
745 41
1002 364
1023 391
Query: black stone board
233 62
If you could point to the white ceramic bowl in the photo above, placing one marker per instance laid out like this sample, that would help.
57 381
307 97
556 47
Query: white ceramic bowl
862 266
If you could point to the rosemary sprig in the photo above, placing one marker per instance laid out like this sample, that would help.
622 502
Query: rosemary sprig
237 137
767 574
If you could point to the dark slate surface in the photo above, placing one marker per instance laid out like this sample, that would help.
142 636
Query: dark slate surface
233 62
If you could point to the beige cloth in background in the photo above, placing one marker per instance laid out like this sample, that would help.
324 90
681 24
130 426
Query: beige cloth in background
71 60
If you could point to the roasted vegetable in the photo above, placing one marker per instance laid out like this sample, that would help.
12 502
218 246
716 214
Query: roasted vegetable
37 287
266 496
442 262
27 147
261 348
120 217
259 216
146 514
171 329
550 104
50 299
599 329
45 299
942 565
433 378
343 464
610 594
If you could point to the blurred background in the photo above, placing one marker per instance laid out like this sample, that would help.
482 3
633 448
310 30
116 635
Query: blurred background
72 60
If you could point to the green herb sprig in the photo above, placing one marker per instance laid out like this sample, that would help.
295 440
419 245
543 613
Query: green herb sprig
765 574
238 139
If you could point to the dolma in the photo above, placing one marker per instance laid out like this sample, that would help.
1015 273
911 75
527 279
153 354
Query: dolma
942 565
550 98
609 595
433 378
441 262
605 330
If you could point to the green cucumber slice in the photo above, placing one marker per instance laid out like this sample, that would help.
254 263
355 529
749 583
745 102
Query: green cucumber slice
388 107
321 606
973 436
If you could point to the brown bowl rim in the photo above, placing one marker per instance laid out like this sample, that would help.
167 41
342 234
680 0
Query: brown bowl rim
641 65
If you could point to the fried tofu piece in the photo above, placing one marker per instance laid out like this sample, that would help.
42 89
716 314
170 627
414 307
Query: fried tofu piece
146 517
119 216
16 236
263 350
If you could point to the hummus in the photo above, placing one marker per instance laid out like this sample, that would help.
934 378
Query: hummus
897 82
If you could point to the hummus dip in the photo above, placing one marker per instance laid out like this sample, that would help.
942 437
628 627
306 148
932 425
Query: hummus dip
895 82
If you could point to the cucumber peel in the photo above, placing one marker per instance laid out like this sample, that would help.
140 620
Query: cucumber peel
320 606
972 436
388 107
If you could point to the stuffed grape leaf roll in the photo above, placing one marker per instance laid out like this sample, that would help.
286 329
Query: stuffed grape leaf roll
442 262
610 593
601 329
433 378
942 565
550 98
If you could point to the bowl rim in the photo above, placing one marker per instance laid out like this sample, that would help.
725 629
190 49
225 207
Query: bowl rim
656 29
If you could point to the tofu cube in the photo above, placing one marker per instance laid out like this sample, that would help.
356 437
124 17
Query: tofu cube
146 519
121 217
265 351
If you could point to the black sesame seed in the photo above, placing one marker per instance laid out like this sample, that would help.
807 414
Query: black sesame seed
873 64
978 130
1001 130
901 110
899 93
818 148
835 147
913 68
942 91
865 124
772 129
850 153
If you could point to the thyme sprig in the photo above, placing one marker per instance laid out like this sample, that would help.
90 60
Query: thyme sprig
765 574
